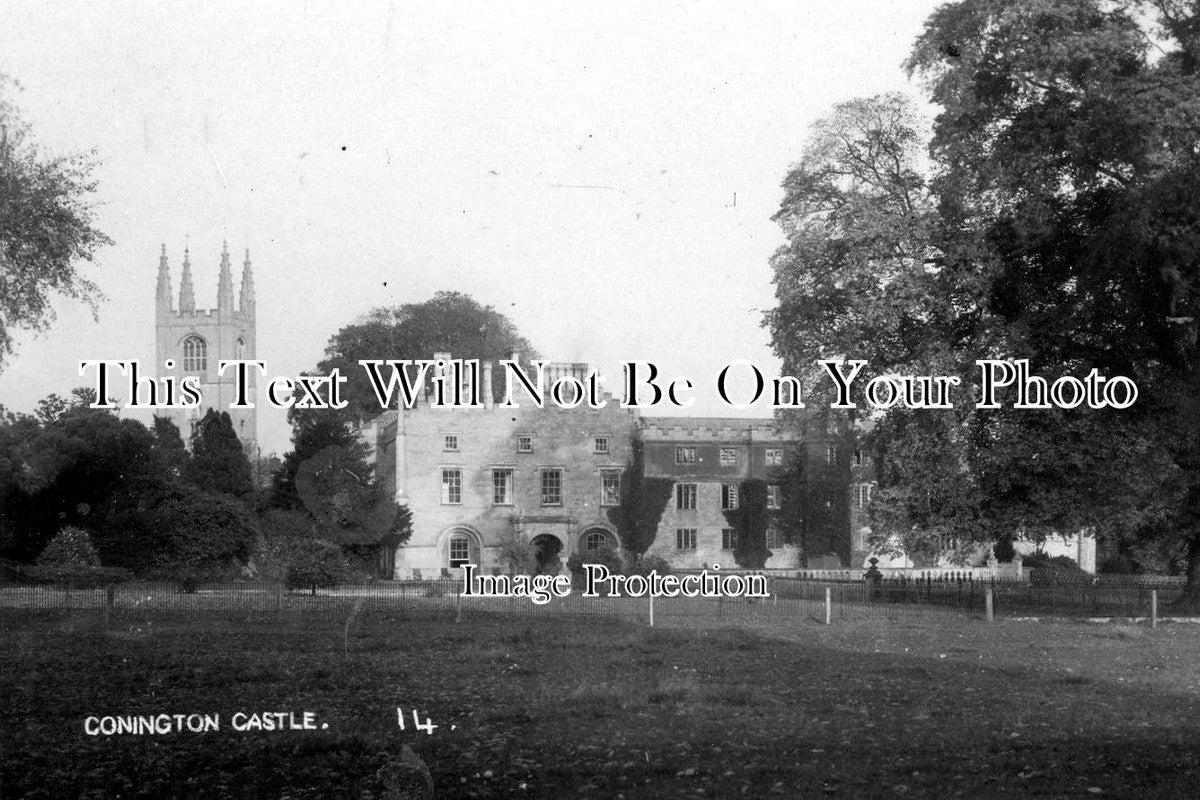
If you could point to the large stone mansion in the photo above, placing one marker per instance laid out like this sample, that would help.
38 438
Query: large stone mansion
474 477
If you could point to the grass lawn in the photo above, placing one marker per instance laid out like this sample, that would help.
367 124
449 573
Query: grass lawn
560 707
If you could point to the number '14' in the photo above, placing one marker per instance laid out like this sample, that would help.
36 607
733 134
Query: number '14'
427 726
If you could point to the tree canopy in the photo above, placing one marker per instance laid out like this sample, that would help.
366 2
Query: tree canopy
449 322
1054 216
218 463
47 227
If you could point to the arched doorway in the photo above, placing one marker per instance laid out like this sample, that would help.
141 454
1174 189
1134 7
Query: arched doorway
547 548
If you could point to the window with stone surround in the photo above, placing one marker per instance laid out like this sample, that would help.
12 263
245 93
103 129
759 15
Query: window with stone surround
600 445
195 354
502 486
460 550
451 486
728 456
450 442
685 538
773 497
774 456
610 488
774 538
728 539
524 444
685 455
685 496
552 487
729 496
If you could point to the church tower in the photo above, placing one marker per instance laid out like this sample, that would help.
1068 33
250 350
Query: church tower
193 341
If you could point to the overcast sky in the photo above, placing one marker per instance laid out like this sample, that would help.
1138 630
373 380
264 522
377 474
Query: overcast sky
603 173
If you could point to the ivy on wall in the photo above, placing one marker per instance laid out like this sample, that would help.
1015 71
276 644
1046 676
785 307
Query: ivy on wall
643 501
750 519
790 518
815 512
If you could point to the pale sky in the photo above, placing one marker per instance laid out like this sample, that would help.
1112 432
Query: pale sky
373 153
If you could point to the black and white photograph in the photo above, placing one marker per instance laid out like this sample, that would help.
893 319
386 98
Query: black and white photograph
673 399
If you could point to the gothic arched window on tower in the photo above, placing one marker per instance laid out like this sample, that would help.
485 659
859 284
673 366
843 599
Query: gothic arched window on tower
241 348
195 354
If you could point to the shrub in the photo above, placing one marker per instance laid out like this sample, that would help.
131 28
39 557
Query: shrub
605 556
316 565
1041 561
517 555
70 547
647 564
1119 564
1057 571
282 533
200 537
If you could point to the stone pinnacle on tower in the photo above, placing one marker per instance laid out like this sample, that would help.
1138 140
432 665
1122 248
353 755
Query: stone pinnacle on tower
187 295
163 299
225 284
246 296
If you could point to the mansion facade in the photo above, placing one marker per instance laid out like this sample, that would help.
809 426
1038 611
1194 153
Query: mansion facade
475 478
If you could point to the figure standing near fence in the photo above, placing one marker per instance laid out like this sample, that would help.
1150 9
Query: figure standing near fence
874 579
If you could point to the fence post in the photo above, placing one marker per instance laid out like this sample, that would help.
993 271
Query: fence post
651 594
828 605
1154 608
987 599
458 606
108 605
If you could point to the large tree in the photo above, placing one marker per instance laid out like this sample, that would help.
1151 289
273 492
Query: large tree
218 463
169 448
1057 219
84 467
1070 178
862 277
47 227
449 322
312 433
338 489
327 481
